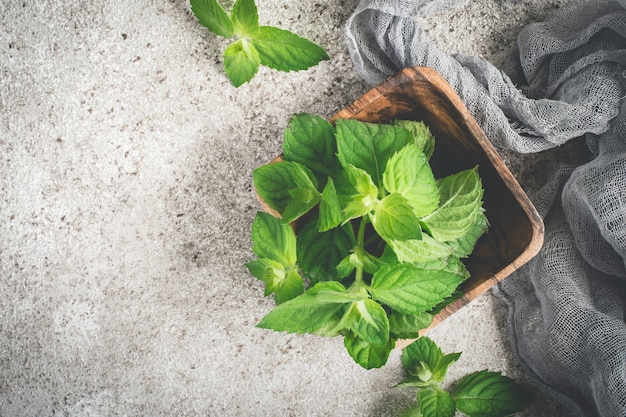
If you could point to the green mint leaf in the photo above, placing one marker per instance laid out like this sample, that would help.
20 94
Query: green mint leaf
284 283
369 146
264 269
333 292
446 301
285 51
407 326
451 264
275 244
331 214
363 194
305 195
414 381
281 186
412 290
393 219
461 202
421 135
358 259
213 16
311 311
464 245
241 62
245 18
423 250
288 287
389 256
300 315
436 403
368 355
489 394
319 253
310 140
366 260
345 267
273 239
425 352
408 173
368 321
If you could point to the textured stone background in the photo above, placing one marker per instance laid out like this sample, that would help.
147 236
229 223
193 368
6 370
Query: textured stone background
126 204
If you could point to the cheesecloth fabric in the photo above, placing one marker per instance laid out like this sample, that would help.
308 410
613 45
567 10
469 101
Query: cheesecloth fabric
565 79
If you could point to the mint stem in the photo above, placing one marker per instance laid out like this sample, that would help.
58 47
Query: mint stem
360 242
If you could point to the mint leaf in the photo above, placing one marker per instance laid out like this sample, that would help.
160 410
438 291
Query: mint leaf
346 267
284 283
393 219
213 16
451 264
300 315
241 62
288 187
264 269
368 146
367 355
319 253
423 250
331 214
275 244
310 140
461 202
465 244
310 311
290 286
245 18
359 258
421 135
407 326
273 239
408 173
363 194
489 394
285 51
368 321
333 292
436 403
424 352
412 290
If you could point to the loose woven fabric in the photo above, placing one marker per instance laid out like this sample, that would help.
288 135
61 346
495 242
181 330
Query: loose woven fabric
566 306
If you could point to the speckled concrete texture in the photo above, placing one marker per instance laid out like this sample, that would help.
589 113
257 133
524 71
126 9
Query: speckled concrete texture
126 201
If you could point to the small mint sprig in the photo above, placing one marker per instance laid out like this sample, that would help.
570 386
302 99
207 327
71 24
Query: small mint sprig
479 394
255 45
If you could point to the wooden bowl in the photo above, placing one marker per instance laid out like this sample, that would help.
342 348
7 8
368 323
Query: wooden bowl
516 229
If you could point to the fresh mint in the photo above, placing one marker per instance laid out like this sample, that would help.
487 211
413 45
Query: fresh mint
489 394
274 243
379 239
479 394
255 45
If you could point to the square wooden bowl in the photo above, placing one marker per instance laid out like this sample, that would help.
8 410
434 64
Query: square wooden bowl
516 229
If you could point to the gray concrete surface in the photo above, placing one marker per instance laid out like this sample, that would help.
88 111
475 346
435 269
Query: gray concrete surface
126 202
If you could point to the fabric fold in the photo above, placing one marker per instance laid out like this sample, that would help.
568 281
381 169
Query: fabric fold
565 79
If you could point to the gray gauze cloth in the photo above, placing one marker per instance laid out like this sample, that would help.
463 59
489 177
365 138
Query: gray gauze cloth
566 306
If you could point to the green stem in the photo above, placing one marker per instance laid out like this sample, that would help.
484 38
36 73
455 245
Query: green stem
360 242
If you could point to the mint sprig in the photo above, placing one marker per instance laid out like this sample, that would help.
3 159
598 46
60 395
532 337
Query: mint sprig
479 394
255 45
379 239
